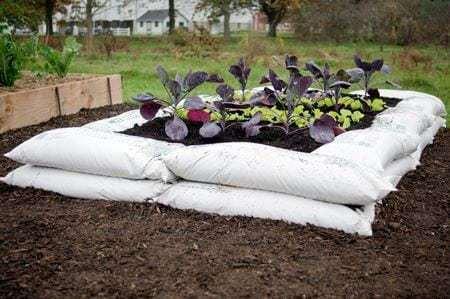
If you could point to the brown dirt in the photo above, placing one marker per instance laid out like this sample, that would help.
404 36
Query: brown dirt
299 141
29 81
57 247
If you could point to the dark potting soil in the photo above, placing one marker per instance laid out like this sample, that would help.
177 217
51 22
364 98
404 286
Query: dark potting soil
298 141
53 246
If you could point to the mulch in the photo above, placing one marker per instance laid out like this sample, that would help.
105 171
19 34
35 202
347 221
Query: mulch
52 246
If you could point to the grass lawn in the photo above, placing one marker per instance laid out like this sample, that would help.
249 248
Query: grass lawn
421 68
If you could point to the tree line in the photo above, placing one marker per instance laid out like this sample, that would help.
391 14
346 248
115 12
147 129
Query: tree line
31 13
386 21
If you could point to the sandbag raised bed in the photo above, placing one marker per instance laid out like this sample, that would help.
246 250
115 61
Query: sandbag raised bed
292 201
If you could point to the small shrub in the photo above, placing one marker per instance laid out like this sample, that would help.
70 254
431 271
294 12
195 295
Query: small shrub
58 62
197 43
10 64
108 43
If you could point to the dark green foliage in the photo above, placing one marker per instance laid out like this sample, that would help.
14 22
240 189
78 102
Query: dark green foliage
58 62
11 60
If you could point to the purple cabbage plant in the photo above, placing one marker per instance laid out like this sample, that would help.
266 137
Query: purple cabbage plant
332 83
177 89
286 94
241 71
198 111
364 72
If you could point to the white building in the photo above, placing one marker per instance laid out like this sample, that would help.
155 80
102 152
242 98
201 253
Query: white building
145 17
156 22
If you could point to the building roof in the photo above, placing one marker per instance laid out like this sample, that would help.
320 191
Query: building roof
157 15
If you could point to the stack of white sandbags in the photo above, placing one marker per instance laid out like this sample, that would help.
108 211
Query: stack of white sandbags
397 137
81 162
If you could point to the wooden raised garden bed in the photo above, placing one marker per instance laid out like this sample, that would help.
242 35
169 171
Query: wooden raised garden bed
20 108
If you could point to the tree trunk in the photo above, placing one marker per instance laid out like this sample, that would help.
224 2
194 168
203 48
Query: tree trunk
272 29
171 16
89 25
49 7
226 23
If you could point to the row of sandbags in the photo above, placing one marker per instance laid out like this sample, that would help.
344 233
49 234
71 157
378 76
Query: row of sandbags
358 168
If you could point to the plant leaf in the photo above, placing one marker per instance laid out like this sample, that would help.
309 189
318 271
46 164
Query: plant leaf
291 63
176 129
225 91
340 84
301 84
338 131
314 69
342 75
277 84
214 78
210 129
321 133
195 79
198 116
236 71
356 74
148 110
194 102
162 74
365 66
144 97
175 90
327 120
252 127
376 65
385 69
265 98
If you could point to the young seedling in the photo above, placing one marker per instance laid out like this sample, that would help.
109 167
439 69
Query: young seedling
364 72
332 84
288 95
241 72
197 111
177 89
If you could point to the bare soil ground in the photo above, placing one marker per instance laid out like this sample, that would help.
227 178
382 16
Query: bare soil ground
52 246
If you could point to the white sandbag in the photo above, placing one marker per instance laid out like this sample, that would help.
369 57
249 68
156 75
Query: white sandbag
371 147
263 167
96 152
403 121
232 201
407 94
85 186
421 105
398 168
118 123
428 136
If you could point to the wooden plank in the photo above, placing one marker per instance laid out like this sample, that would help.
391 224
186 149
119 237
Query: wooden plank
116 89
29 107
83 94
25 108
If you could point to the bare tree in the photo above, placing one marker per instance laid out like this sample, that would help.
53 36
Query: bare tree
171 16
91 8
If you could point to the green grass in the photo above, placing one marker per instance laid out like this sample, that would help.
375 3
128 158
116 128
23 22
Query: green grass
138 61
